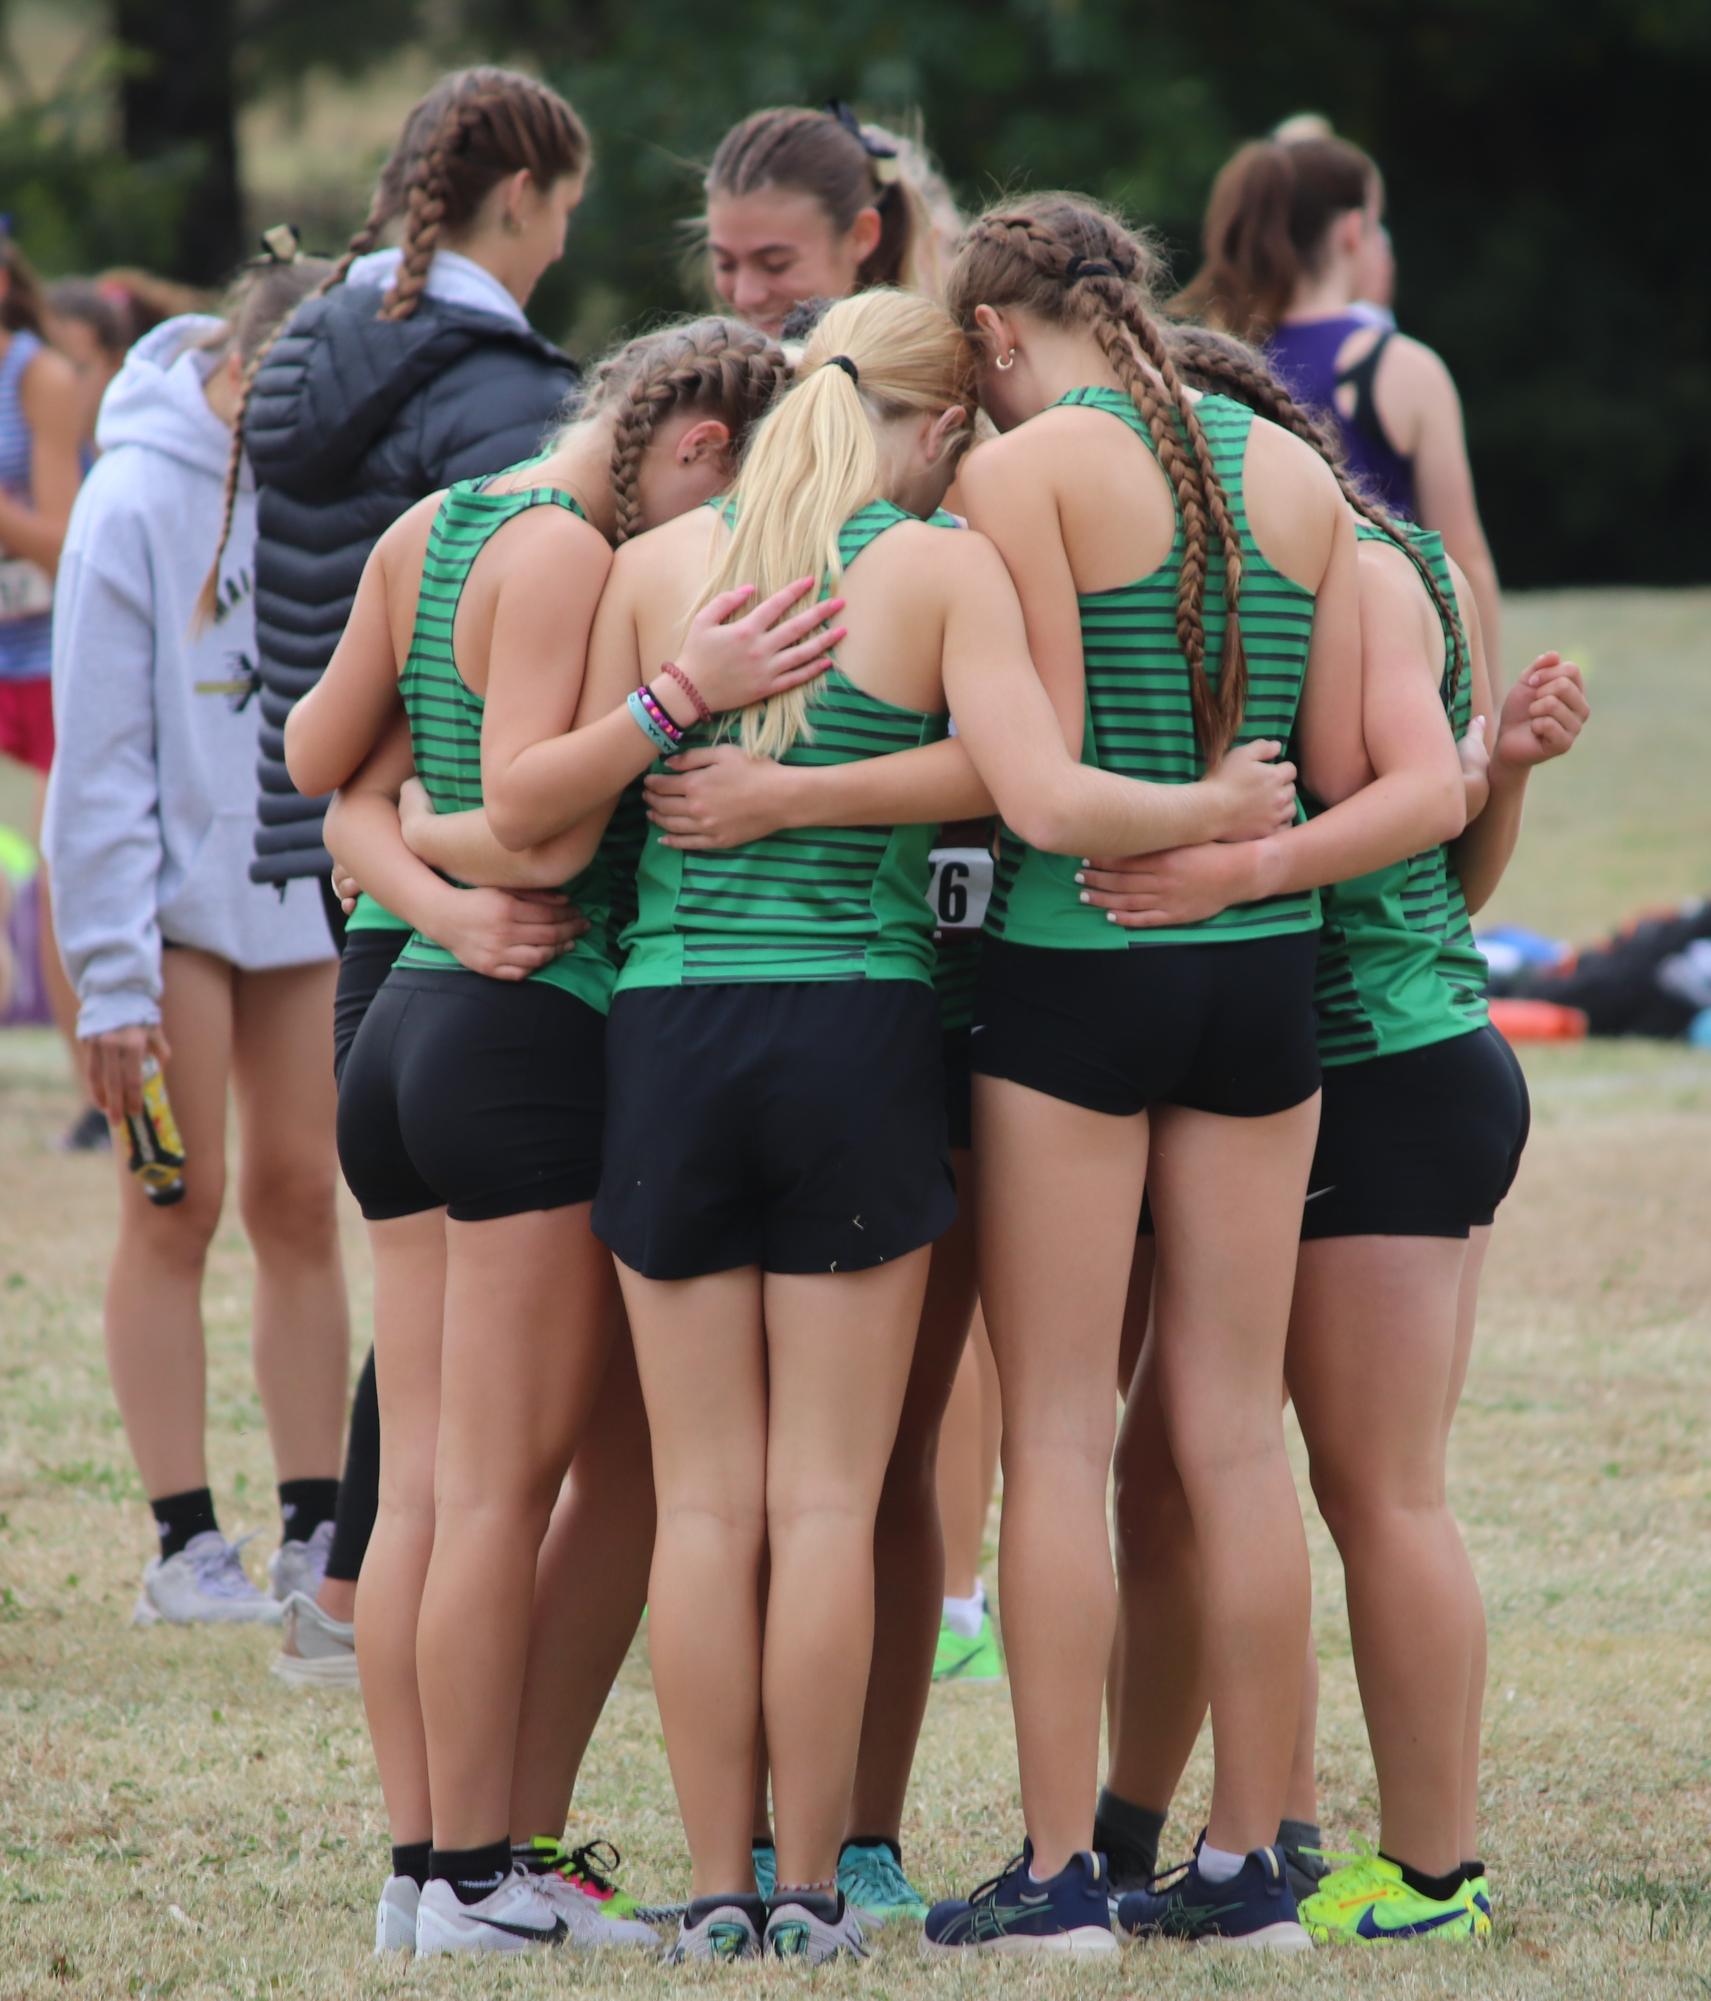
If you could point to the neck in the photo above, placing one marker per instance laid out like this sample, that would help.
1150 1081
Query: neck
582 466
1319 298
492 252
1066 358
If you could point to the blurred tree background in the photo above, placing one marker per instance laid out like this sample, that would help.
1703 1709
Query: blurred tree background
1540 162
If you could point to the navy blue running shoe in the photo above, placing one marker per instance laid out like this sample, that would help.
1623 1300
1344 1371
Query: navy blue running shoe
1255 1907
1068 1912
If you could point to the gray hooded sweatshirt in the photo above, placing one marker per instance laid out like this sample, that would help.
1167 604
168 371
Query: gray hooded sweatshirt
151 805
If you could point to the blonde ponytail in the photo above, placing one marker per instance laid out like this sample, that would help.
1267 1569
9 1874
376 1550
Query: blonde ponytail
815 461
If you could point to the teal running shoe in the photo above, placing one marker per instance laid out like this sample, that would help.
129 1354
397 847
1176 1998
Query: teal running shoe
766 1869
870 1874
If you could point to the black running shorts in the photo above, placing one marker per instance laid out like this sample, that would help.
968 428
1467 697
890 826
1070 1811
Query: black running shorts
797 1126
1214 1028
1424 1144
365 960
482 1096
959 1088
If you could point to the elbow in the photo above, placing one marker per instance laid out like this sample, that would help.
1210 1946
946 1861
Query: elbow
310 769
1043 823
1448 812
507 821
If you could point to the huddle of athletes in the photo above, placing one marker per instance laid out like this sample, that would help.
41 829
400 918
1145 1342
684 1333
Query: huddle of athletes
678 1114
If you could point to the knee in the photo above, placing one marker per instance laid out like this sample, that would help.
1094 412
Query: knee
1151 1509
818 1515
181 1236
291 1207
1358 1504
735 1524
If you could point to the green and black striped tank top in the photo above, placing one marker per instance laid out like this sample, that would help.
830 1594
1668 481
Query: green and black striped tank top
445 734
1398 968
806 903
1139 717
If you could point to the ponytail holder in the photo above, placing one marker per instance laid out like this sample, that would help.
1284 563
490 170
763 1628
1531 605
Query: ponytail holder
844 362
1087 267
280 245
881 154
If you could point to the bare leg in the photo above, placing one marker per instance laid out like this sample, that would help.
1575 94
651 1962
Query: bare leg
1301 1797
288 1178
965 1472
590 1587
1061 1190
409 1293
62 1000
527 1333
1467 1310
908 1544
153 1317
701 1353
838 1353
1378 1473
1227 1197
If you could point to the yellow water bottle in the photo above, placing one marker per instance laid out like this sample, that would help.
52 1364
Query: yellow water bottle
157 1152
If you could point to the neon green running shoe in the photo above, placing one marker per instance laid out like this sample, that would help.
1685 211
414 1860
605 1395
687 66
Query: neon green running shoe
961 1659
591 1869
1479 1895
1367 1899
870 1874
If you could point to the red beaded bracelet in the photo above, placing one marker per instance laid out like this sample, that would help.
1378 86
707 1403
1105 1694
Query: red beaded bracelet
689 688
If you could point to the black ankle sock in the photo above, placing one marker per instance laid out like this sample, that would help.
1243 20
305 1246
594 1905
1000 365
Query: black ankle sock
1126 1835
1471 1869
531 1860
473 1873
1439 1888
305 1504
410 1858
178 1517
874 1841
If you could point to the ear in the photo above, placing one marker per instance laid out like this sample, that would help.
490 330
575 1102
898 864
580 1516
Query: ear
516 189
944 433
865 233
710 439
997 330
1350 232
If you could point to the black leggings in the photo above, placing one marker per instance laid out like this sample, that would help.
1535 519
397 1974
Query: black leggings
366 958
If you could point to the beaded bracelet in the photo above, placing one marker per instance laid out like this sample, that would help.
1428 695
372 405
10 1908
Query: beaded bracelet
643 721
662 715
677 674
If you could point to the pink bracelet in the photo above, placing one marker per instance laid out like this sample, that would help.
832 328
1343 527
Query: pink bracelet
654 707
689 688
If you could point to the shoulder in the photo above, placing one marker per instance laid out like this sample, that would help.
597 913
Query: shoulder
1411 365
48 383
1034 450
1391 589
685 545
550 545
1277 456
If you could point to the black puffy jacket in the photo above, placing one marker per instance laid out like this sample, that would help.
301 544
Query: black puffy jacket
350 421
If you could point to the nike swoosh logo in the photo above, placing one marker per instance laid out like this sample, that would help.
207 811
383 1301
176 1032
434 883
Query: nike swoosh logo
1369 1927
550 1937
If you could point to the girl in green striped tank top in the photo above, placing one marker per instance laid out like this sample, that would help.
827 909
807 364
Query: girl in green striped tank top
774 1151
1187 579
1424 1117
474 1104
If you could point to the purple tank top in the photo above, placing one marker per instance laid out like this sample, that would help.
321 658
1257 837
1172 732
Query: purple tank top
1304 355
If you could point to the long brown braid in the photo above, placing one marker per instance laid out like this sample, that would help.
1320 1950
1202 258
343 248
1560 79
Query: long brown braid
1219 361
717 366
467 134
1071 262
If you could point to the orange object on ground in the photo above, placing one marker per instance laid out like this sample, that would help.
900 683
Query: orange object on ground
1537 1021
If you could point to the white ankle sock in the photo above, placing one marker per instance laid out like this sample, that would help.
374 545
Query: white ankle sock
1218 1865
964 1615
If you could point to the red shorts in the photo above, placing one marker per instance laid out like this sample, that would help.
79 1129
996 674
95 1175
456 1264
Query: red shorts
26 721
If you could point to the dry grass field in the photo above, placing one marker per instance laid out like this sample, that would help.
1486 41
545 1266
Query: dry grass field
173 1822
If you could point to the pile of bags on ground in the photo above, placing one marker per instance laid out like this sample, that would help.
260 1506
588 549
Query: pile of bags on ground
1652 977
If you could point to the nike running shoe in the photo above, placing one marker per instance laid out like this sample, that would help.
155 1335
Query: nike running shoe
766 1868
589 1871
1479 1893
513 1917
1255 1907
719 1928
1306 1869
89 1132
395 1917
1068 1912
1368 1900
317 1652
299 1564
870 1874
960 1658
813 1929
204 1584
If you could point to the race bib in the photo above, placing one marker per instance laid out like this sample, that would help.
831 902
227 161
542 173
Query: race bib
26 589
960 888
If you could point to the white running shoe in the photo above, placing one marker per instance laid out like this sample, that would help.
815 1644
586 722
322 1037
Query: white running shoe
317 1652
719 1928
205 1584
513 1917
585 1920
395 1916
815 1929
300 1566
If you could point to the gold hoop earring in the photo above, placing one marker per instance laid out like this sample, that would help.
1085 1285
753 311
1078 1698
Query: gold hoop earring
1006 362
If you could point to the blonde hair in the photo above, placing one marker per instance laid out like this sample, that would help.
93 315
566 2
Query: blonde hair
814 461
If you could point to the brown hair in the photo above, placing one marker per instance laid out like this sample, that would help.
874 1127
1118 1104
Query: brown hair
717 366
147 299
472 130
1220 362
21 308
846 166
1071 263
1271 208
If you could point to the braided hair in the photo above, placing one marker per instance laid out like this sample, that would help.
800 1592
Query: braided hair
471 131
717 367
1071 262
1220 362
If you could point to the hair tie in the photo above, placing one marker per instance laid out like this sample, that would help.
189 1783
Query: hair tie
1087 267
844 362
279 245
882 157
